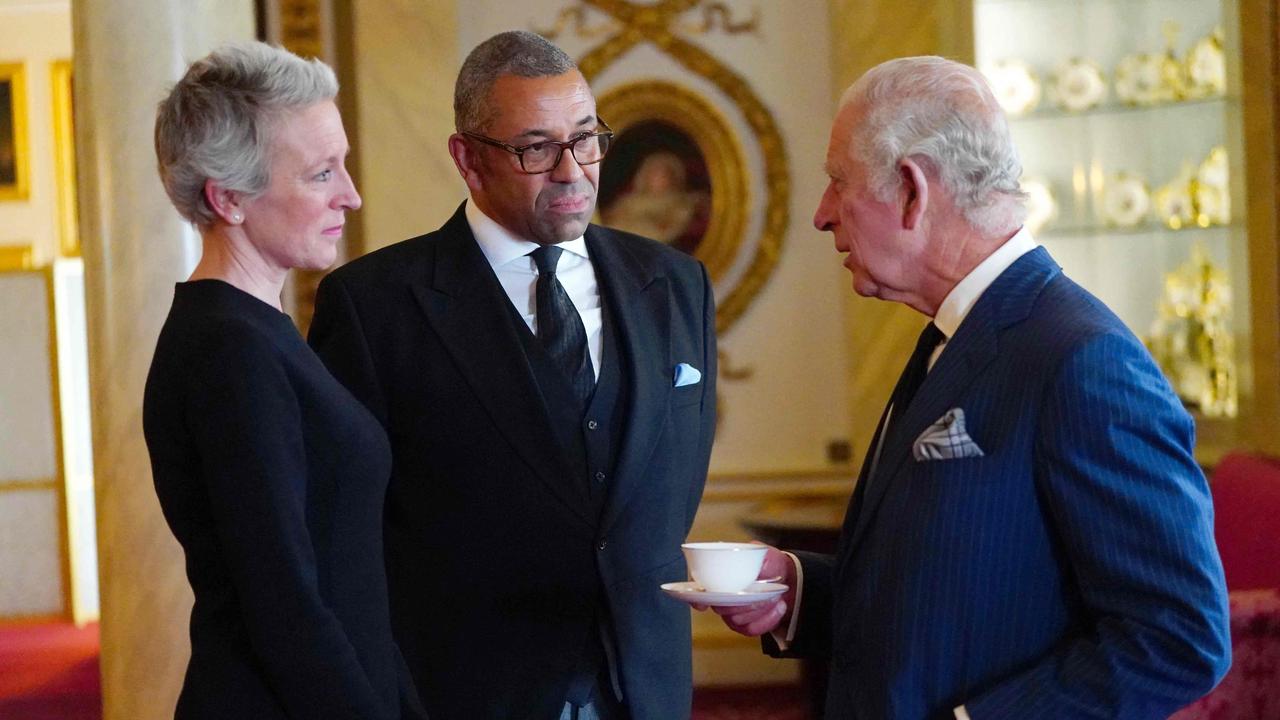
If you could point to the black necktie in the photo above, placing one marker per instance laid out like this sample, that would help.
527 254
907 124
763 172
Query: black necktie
913 376
560 327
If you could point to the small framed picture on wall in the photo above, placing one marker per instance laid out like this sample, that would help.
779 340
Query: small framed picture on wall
14 150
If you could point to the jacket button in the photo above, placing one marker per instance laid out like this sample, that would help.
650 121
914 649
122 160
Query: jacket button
602 545
600 477
592 424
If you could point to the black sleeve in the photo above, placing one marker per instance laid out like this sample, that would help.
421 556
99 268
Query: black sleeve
247 426
813 630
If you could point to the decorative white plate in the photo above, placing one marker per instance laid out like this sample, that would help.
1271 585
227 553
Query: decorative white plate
1213 199
1015 85
1173 203
1125 200
1078 85
1142 79
691 593
1207 66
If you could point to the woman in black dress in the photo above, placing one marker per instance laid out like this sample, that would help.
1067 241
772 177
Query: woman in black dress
269 473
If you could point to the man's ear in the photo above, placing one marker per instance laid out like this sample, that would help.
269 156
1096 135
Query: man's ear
225 203
468 161
915 193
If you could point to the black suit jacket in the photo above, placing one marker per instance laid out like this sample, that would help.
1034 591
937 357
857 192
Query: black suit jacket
497 562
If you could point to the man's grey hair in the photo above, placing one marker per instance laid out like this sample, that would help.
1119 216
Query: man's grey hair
517 52
944 114
217 121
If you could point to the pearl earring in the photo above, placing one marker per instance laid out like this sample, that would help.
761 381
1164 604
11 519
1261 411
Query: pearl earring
236 217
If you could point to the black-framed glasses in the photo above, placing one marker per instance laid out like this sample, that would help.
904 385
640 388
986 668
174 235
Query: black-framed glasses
544 156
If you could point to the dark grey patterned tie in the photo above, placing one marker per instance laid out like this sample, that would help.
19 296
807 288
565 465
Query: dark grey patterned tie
560 327
913 376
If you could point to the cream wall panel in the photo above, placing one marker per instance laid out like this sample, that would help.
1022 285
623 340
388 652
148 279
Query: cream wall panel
406 54
27 449
30 563
35 34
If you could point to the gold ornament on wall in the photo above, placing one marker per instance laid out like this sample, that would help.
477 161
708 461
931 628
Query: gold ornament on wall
660 24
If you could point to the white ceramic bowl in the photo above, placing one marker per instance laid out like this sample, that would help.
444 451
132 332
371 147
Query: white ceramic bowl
724 566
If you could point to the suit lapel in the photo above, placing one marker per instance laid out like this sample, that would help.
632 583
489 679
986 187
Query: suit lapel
637 295
467 307
1008 300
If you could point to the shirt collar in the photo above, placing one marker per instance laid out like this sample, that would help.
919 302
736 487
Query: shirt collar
500 246
956 306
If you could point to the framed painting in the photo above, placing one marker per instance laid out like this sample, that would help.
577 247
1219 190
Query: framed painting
14 150
675 172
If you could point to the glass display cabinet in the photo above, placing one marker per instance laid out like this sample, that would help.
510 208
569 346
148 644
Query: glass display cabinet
1130 121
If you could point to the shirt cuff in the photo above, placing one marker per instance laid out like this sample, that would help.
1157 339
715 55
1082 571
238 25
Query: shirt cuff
784 640
961 713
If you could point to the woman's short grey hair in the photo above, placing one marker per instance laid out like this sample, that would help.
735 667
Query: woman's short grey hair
217 122
517 52
944 114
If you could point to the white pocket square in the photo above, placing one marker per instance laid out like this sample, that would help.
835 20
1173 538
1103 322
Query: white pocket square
687 374
946 439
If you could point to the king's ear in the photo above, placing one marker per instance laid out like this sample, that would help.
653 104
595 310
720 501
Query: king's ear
914 195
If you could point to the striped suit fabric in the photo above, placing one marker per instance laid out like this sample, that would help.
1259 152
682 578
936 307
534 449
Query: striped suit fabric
1069 571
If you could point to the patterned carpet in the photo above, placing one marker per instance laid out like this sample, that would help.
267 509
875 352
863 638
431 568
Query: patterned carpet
50 672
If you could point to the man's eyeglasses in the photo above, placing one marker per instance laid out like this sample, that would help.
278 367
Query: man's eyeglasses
543 157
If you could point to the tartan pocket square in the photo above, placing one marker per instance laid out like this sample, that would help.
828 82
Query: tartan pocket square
946 439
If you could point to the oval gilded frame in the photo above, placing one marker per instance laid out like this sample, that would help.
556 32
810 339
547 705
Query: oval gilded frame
648 24
658 100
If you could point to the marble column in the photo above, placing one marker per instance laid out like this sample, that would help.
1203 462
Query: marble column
864 34
407 58
127 54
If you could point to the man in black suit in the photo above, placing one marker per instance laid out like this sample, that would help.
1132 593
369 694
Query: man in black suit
549 389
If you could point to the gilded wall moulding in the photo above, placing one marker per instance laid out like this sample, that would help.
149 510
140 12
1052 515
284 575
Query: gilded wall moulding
64 157
715 16
658 24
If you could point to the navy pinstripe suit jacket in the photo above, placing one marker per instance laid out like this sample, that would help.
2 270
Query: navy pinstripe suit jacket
1068 572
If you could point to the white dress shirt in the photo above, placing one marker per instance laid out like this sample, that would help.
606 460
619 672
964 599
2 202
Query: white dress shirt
518 275
951 313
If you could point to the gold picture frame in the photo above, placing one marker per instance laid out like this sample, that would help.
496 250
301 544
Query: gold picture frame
16 258
14 150
64 156
673 123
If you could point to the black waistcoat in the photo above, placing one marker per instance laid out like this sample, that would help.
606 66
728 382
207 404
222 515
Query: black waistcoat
589 440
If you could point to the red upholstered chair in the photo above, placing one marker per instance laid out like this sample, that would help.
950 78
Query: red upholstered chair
1246 506
1246 499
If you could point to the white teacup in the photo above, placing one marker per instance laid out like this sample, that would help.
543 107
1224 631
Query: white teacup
724 566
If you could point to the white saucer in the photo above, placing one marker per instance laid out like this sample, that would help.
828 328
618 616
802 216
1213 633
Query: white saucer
691 593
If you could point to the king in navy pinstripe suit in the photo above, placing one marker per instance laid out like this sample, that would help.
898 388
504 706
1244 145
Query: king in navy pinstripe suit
1052 555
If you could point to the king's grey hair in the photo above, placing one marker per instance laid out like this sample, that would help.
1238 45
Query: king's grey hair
944 114
517 52
217 121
